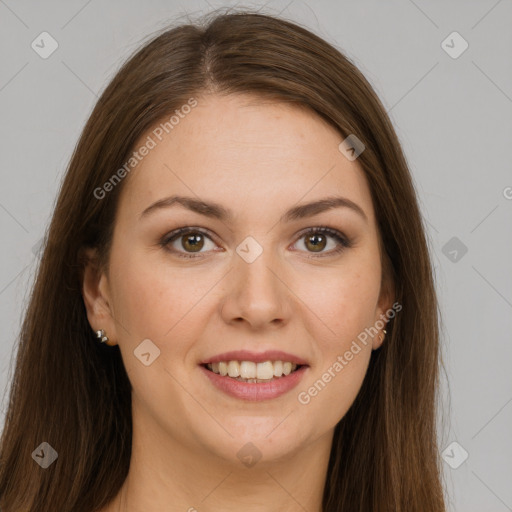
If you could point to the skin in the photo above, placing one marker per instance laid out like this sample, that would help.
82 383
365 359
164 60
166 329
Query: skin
262 159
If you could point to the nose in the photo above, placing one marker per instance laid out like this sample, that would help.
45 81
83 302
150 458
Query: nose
257 294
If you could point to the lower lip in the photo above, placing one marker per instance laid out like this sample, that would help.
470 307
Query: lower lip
255 391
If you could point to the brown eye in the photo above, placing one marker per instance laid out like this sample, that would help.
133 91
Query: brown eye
187 242
192 242
316 242
317 239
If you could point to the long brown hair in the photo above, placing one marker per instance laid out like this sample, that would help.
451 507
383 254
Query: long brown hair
73 393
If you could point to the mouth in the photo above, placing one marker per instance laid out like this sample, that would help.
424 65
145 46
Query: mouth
252 372
254 377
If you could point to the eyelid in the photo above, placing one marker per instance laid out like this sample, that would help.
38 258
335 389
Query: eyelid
343 241
175 235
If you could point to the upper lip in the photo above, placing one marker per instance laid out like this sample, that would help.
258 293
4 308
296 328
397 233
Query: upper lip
257 357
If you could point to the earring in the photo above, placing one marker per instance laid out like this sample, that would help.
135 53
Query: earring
102 337
381 336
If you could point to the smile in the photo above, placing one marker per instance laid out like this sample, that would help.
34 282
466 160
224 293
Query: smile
242 379
249 371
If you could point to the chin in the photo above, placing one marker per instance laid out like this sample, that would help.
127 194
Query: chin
256 440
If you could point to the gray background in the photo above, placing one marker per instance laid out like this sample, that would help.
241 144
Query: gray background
452 115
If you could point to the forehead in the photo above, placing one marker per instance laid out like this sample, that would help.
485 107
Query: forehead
247 154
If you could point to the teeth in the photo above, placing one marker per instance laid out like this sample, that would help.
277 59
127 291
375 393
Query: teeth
223 369
233 369
278 368
265 370
248 371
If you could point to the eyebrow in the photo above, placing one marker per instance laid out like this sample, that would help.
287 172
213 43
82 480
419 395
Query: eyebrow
217 211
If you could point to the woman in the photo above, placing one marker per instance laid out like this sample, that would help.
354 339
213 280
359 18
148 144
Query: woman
235 306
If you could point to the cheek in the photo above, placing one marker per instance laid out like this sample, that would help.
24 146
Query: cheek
155 301
142 295
162 305
343 301
333 389
344 304
346 307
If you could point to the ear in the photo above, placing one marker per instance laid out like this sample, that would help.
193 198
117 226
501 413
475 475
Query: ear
96 295
384 304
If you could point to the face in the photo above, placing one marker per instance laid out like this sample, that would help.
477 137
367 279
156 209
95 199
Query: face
242 275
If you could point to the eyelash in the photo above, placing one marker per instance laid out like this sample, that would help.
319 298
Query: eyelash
344 243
